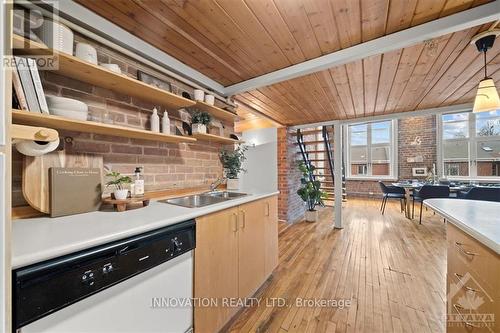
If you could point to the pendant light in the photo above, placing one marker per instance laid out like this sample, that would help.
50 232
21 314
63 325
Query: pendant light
487 96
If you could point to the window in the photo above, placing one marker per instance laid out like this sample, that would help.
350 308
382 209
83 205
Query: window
370 150
470 145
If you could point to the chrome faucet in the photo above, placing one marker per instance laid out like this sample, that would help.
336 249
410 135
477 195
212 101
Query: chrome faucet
216 183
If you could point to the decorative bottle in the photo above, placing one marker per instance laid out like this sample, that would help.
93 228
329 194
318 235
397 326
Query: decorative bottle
165 123
155 121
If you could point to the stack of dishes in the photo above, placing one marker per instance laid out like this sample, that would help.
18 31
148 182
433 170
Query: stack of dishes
67 107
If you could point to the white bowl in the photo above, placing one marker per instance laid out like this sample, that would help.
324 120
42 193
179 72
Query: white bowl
71 114
58 102
67 107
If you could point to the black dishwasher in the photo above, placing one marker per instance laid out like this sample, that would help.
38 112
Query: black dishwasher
43 288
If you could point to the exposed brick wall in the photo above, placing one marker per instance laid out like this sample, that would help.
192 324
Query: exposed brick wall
290 207
166 166
409 129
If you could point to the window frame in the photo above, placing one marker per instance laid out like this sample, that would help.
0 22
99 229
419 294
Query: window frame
472 141
393 148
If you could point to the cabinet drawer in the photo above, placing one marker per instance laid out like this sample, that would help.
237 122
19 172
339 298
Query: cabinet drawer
468 255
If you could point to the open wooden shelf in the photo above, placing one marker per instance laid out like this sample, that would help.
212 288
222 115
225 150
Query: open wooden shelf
215 111
38 119
215 138
78 69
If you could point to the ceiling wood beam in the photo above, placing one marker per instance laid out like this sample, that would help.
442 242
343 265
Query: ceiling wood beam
396 115
460 21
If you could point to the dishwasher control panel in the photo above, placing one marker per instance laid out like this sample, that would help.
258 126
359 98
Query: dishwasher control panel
43 288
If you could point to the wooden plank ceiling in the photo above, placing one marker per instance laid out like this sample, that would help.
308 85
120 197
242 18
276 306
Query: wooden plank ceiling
232 41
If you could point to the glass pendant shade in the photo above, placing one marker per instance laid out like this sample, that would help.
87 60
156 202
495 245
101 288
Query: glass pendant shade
486 96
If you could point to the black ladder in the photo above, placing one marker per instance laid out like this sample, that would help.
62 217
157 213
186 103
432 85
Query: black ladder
305 155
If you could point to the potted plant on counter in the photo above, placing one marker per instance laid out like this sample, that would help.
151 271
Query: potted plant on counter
200 121
118 181
232 162
310 191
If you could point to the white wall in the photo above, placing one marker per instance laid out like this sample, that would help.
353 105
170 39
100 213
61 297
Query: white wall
262 161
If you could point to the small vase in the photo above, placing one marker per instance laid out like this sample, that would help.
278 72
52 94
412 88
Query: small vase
311 215
120 194
233 184
199 128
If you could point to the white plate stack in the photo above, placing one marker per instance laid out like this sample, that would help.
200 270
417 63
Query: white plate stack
67 107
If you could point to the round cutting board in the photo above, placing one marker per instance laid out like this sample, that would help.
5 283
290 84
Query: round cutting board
36 174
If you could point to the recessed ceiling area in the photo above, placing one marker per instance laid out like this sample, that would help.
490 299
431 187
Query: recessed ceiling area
233 41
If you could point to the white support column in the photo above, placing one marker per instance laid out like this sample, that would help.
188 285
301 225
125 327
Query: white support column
337 160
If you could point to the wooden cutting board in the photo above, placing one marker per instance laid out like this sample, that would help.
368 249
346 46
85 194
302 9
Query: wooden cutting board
36 174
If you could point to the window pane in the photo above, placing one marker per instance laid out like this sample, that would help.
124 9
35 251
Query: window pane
381 154
358 169
381 169
381 132
359 154
456 150
488 123
455 125
488 168
456 130
358 135
456 168
488 150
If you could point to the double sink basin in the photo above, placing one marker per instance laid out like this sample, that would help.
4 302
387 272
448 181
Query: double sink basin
204 199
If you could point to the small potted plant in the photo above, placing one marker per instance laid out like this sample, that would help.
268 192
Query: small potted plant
118 182
200 121
310 191
232 162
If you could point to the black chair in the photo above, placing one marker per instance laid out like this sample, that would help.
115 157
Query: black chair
392 192
428 192
483 193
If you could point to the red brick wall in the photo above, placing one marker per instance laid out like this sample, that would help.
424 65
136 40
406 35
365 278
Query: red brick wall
165 165
290 207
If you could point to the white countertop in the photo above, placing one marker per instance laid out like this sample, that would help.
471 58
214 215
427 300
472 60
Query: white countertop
39 239
479 219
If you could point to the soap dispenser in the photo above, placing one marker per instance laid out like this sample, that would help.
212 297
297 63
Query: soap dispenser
138 182
155 121
165 123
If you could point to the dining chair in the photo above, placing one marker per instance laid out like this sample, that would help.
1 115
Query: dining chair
483 193
428 192
392 192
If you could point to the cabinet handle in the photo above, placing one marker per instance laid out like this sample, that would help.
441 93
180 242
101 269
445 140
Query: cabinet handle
459 278
267 208
235 222
244 219
458 308
460 247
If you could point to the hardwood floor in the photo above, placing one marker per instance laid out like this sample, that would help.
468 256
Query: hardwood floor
392 269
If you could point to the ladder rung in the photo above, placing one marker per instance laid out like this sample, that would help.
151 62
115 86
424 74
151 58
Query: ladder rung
311 142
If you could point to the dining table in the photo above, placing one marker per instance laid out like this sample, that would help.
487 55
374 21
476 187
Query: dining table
411 186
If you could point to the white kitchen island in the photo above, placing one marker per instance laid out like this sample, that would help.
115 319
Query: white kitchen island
473 264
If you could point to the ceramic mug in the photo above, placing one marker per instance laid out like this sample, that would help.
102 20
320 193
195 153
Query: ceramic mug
86 52
209 99
199 95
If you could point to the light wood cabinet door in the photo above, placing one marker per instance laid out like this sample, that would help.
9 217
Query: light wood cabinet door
271 234
216 268
251 252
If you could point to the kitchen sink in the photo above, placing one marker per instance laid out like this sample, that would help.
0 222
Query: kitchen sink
225 194
204 199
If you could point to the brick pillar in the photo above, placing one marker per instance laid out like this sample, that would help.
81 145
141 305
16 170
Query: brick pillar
290 207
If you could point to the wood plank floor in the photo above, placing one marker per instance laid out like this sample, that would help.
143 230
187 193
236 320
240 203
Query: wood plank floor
392 269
